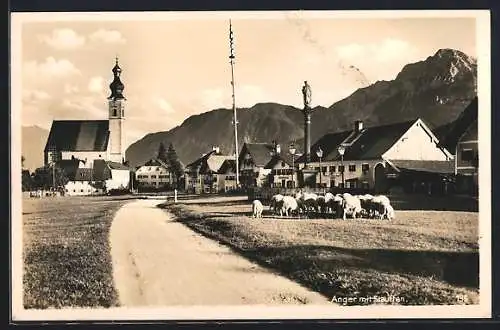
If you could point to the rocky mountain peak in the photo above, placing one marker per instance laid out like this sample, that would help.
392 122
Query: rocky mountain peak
446 65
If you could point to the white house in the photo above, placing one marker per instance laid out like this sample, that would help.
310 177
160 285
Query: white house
203 175
100 178
374 155
154 174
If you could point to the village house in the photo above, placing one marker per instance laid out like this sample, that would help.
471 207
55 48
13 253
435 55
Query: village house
97 179
374 158
154 174
283 174
462 140
227 176
203 175
253 159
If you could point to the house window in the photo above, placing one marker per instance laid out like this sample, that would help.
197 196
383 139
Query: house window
81 190
282 164
332 169
341 168
153 176
365 168
352 168
316 169
467 155
323 169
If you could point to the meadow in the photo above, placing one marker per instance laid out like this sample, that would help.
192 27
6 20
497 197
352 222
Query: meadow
422 257
66 252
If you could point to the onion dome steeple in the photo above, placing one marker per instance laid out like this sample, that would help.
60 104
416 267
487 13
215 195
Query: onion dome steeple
116 85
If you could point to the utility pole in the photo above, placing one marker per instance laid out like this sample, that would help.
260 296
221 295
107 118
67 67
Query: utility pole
235 120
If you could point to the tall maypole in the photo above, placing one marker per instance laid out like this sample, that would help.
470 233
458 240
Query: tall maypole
235 120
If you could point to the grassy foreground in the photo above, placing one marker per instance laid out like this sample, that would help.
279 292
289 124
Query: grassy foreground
422 257
66 252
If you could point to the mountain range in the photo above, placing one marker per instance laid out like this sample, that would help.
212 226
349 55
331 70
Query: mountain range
436 90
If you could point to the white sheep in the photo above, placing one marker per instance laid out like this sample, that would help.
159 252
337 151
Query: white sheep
288 205
381 205
352 206
274 202
257 209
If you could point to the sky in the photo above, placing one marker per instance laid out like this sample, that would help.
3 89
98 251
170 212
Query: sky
174 68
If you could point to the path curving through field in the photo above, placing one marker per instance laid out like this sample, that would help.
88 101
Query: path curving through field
160 262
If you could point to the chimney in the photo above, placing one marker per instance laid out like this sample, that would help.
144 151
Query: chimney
358 126
217 149
278 149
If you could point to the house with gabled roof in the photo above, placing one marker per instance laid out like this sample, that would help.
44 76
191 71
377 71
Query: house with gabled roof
203 175
283 173
155 174
253 159
376 156
101 177
462 140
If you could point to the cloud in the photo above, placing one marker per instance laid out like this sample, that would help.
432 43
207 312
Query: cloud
108 36
96 85
33 96
386 50
63 39
164 105
84 107
49 69
70 89
245 95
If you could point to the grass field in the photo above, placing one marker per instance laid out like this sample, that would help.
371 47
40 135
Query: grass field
67 261
421 257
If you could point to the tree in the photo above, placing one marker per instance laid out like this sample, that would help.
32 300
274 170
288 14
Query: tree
27 180
43 177
162 153
173 161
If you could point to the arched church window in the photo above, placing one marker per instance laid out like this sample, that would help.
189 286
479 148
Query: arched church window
114 112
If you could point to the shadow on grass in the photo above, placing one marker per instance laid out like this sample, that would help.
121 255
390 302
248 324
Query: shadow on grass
421 277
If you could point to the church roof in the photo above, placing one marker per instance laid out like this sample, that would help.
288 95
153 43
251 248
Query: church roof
78 135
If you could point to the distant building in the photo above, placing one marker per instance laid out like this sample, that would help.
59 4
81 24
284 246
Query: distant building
227 175
97 179
282 174
203 175
90 140
253 159
376 157
462 140
154 174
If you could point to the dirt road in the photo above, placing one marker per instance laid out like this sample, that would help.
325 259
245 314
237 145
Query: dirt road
157 261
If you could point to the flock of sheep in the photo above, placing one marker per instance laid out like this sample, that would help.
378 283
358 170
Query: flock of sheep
339 205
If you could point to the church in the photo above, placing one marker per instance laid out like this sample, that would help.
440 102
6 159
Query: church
89 140
92 151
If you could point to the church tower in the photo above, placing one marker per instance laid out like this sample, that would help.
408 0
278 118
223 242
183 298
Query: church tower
116 117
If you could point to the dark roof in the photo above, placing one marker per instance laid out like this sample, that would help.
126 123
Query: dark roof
117 166
78 135
261 153
369 143
465 121
432 166
281 157
200 160
101 172
229 165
